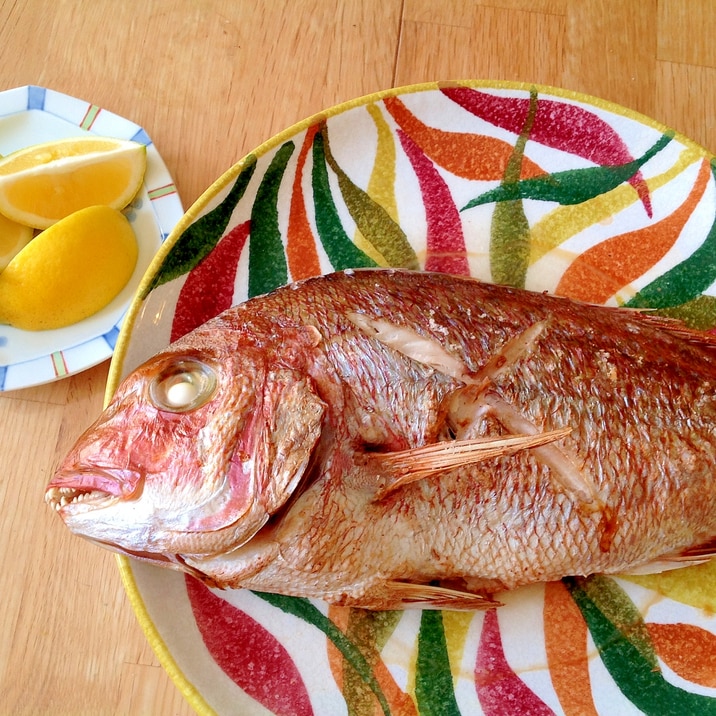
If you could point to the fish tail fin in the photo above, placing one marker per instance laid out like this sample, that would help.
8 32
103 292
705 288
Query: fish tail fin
407 466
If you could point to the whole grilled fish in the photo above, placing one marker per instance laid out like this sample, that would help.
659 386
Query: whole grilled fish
389 439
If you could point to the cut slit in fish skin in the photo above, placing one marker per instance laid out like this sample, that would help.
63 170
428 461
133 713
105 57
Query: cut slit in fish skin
563 466
411 344
466 415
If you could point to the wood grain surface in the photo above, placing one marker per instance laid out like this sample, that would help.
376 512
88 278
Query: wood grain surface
210 80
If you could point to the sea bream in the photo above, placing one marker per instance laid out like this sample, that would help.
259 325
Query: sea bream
389 439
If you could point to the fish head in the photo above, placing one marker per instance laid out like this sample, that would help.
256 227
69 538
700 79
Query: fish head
196 450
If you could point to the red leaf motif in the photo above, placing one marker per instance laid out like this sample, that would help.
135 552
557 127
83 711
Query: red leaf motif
249 655
196 305
446 243
500 691
560 125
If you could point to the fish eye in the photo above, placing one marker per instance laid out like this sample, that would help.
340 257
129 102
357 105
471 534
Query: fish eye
184 385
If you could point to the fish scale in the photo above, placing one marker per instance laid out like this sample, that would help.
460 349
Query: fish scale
391 439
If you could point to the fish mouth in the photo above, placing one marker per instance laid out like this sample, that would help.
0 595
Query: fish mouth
59 497
91 487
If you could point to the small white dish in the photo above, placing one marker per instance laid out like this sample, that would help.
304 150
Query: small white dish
30 115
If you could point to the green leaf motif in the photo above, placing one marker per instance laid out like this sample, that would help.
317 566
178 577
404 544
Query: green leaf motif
685 281
434 689
369 631
510 230
268 267
572 186
509 244
341 251
200 238
625 649
614 604
371 218
303 609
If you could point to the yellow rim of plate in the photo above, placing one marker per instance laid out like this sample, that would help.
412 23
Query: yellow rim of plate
189 691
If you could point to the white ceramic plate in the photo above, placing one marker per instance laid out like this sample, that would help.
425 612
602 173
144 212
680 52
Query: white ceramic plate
30 115
624 212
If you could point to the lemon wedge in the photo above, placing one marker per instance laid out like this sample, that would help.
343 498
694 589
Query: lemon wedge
44 183
13 237
69 271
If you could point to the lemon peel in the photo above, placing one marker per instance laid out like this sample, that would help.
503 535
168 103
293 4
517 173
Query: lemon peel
44 183
13 237
69 271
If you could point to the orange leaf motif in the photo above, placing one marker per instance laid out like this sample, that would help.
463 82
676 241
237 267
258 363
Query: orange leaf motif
565 636
688 650
471 156
598 273
401 704
300 245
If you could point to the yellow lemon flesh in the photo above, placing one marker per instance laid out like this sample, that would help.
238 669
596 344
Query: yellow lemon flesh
44 183
69 271
13 237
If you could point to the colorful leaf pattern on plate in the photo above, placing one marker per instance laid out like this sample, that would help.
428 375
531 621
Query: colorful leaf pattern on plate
499 689
252 657
523 185
604 269
445 241
562 125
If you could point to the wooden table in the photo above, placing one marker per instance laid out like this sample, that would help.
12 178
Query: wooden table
210 80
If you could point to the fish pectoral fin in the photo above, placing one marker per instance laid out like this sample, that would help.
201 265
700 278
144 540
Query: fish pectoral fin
409 595
406 466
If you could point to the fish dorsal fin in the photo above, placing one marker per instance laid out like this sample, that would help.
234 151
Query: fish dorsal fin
675 327
405 466
408 595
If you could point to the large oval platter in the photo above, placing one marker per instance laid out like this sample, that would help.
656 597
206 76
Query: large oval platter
511 183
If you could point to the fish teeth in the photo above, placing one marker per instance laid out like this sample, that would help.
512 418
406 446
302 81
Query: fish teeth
51 496
58 497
